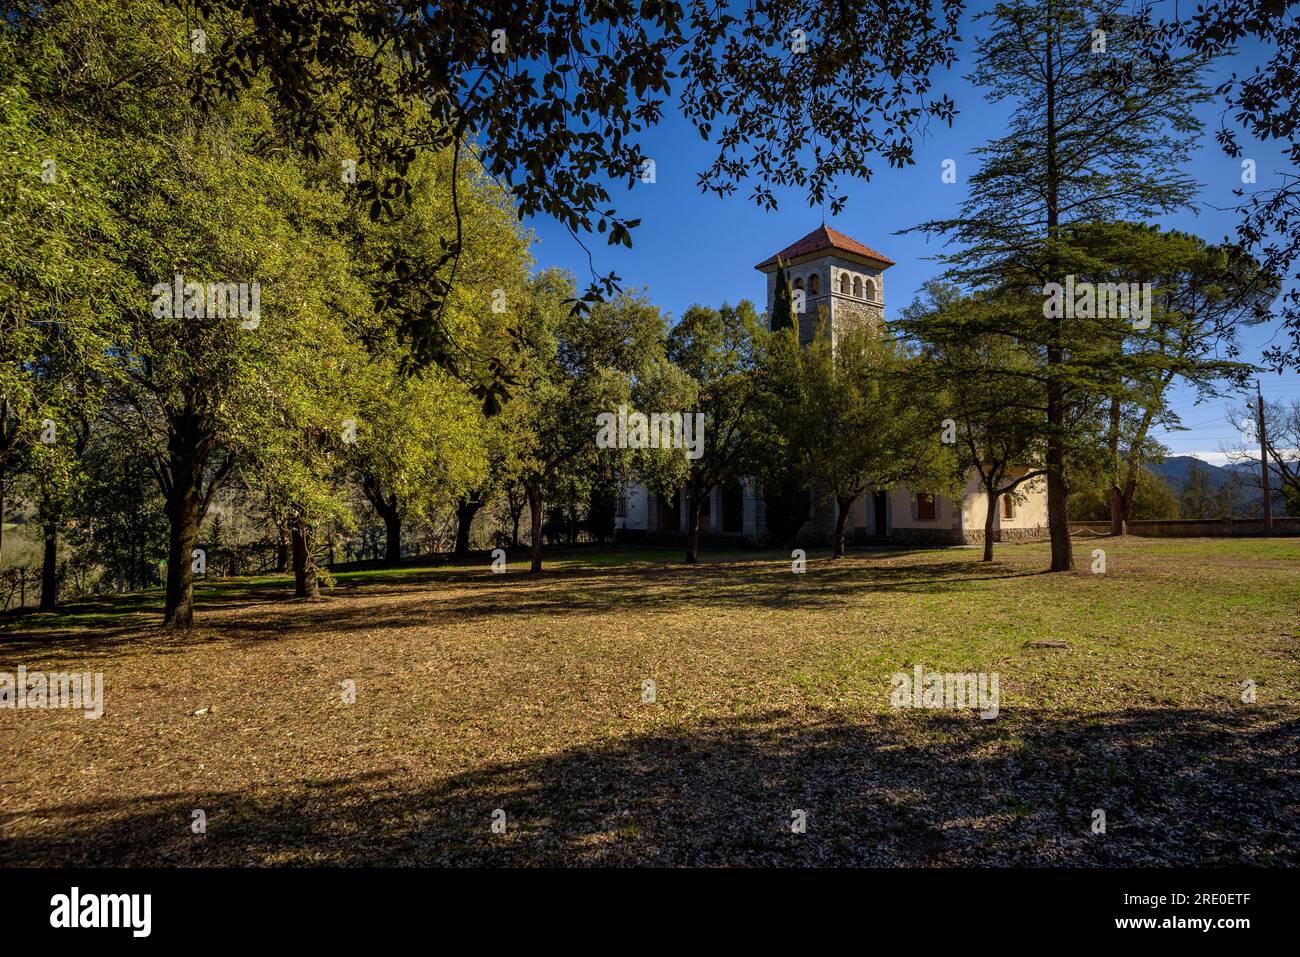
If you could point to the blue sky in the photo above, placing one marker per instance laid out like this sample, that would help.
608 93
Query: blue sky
697 248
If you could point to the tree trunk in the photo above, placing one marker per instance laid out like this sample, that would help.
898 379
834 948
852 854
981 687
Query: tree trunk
514 532
466 509
2 506
305 584
841 522
990 515
1121 505
1112 447
282 553
1129 496
693 528
189 445
49 569
393 537
183 535
535 513
1058 513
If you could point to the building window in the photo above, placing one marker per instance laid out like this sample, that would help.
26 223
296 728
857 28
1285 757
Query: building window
1008 507
620 506
925 507
857 287
870 290
814 284
844 284
798 283
733 508
670 516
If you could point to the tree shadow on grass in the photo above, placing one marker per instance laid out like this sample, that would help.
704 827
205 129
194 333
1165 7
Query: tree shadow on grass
1178 787
468 595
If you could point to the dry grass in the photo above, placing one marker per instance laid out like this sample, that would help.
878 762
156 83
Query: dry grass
478 691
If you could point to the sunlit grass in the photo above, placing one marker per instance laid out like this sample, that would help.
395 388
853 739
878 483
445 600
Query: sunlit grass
473 687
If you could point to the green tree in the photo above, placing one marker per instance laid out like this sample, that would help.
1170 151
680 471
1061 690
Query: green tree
121 525
561 94
1096 134
1198 496
782 304
1265 103
1153 498
987 385
859 423
576 368
720 351
420 446
1199 292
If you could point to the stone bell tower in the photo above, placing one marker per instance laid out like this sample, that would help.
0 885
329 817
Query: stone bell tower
834 273
843 280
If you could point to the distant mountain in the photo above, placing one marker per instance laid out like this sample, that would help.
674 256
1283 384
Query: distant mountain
1175 470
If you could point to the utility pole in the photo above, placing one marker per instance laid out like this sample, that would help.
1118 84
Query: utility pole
1263 459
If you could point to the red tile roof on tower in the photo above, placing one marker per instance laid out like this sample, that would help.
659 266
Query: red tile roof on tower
823 237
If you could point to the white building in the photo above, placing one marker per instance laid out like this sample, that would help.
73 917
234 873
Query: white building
847 279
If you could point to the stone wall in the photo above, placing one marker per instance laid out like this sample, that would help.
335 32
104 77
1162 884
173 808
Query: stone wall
926 536
850 313
1196 528
1038 533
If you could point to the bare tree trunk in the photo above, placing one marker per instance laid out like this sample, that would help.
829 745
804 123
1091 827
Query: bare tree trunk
393 538
183 503
466 509
535 512
1058 510
990 516
841 522
1058 514
49 569
693 528
305 584
1130 496
1121 506
2 507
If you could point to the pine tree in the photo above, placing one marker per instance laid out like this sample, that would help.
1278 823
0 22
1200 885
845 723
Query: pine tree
1099 132
782 304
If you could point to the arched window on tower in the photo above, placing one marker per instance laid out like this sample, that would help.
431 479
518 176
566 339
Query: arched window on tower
798 283
814 284
871 291
844 284
857 287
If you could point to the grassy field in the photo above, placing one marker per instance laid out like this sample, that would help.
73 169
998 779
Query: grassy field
477 692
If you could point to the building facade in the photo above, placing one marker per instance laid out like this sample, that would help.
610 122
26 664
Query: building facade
836 276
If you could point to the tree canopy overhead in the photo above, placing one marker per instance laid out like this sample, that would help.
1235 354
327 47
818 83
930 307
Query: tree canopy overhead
558 95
